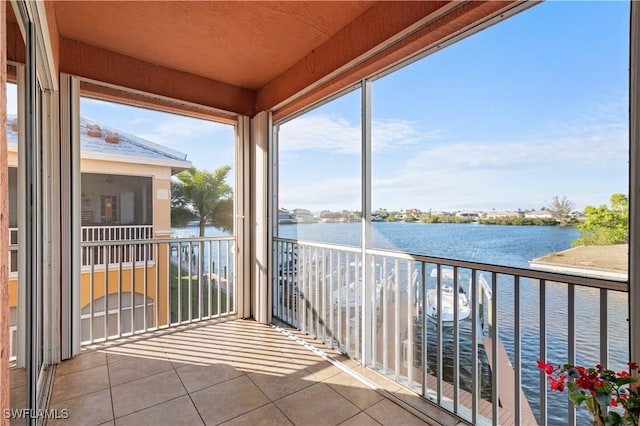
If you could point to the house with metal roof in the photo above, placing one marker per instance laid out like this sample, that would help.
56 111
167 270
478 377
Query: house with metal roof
125 195
126 182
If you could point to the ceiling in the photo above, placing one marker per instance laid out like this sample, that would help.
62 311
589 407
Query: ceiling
243 43
242 57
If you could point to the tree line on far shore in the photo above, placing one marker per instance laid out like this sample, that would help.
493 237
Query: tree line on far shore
206 197
603 225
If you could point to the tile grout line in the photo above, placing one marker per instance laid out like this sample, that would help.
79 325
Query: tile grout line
388 395
271 401
357 414
113 411
175 370
151 406
79 396
142 378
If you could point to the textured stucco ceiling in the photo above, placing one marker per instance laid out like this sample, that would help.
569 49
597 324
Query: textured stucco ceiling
242 43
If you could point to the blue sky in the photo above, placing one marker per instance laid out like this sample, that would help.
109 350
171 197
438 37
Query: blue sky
533 107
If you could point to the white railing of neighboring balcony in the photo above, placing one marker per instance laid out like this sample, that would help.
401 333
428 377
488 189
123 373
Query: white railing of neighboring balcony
100 233
318 288
13 250
115 233
176 281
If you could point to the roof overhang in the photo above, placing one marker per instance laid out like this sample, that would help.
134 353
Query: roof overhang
245 57
175 165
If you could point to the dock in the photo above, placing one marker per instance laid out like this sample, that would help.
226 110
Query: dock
506 381
506 375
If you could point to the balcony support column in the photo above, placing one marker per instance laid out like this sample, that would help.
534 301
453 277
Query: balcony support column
634 181
367 270
4 224
260 241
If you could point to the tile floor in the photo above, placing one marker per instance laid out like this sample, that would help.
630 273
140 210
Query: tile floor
236 372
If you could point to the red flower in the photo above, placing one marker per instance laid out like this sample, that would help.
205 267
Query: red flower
557 384
581 370
598 367
547 368
623 374
614 403
590 382
632 365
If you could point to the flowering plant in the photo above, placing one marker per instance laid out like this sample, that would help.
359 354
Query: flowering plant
599 388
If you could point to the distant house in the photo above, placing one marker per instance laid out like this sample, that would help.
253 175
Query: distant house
468 214
286 217
502 214
539 214
304 216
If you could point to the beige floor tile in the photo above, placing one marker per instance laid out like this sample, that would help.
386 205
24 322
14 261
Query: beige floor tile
17 377
440 416
360 419
269 415
196 377
18 396
92 409
81 362
322 406
386 413
228 400
279 386
176 412
323 370
377 378
183 354
72 385
346 361
233 371
354 390
147 349
143 393
134 368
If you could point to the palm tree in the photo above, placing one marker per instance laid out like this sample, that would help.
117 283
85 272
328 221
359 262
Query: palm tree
207 194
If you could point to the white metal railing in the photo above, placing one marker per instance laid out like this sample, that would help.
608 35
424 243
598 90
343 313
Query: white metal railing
115 233
464 335
169 282
99 233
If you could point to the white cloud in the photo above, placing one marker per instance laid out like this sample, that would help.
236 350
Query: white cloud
585 159
336 134
208 145
332 194
583 142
